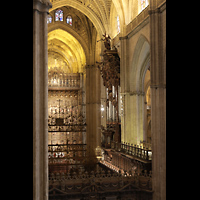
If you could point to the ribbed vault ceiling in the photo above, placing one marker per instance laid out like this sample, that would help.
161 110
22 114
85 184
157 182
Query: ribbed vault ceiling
65 50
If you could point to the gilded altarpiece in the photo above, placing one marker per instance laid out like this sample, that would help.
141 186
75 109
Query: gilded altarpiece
66 122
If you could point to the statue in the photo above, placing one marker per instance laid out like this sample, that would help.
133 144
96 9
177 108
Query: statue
106 41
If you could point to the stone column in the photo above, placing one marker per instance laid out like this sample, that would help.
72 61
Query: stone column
93 110
124 84
157 14
40 100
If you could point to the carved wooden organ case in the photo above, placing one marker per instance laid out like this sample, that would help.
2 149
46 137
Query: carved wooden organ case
110 72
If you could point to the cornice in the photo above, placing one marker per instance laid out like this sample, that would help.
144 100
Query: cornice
123 38
132 93
159 9
42 5
138 27
138 93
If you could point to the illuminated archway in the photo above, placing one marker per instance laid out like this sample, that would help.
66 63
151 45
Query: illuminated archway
52 27
64 47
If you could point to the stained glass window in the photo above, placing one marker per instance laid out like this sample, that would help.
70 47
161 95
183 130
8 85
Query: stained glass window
69 20
49 19
144 4
59 15
118 25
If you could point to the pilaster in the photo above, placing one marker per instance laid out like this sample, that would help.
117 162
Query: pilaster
124 64
133 116
123 86
40 100
93 109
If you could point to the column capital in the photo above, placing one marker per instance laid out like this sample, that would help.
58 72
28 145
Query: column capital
123 38
158 9
42 5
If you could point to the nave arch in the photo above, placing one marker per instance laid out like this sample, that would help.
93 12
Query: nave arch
64 44
135 100
74 34
139 64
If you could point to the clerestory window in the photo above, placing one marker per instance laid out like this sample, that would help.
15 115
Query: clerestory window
69 20
59 15
144 4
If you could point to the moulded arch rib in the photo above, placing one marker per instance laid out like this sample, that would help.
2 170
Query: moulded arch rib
69 46
74 34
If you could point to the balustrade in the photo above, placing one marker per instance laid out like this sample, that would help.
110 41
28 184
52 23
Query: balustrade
133 150
97 174
145 144
72 183
63 80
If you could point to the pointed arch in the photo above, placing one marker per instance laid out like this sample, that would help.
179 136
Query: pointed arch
140 63
73 33
69 20
62 41
59 15
138 68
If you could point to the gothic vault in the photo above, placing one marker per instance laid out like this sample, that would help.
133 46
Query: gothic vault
99 99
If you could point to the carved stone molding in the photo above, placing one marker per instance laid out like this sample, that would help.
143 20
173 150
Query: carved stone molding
134 93
42 5
159 9
46 2
123 38
137 93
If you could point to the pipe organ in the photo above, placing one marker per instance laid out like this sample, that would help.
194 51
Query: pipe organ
110 72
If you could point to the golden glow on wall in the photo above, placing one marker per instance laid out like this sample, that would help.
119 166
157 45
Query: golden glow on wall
148 98
64 51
